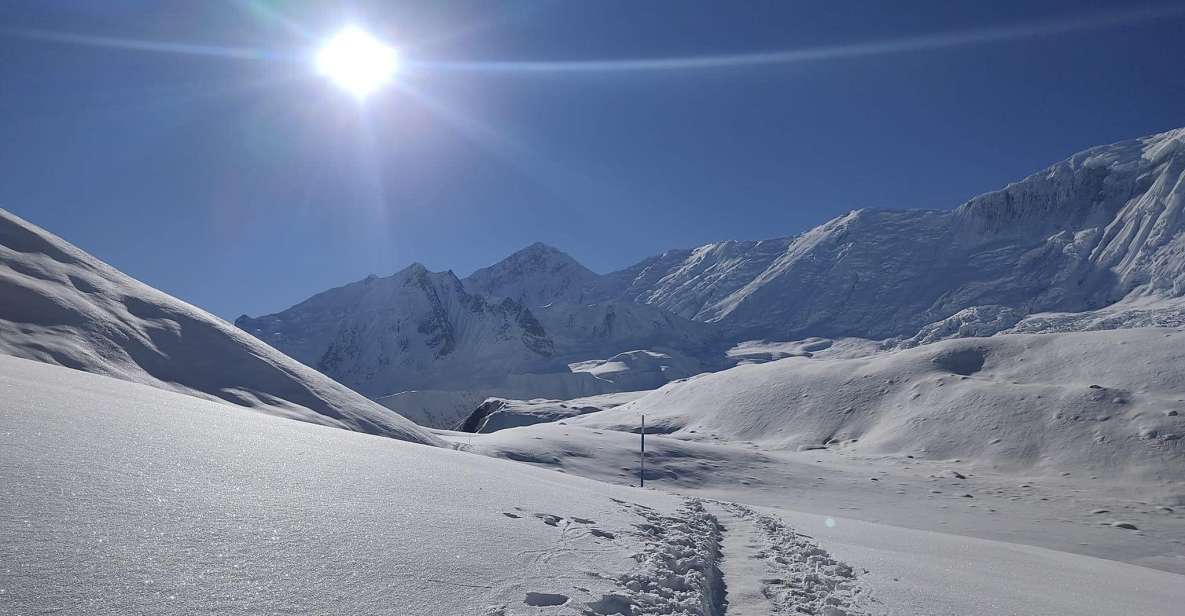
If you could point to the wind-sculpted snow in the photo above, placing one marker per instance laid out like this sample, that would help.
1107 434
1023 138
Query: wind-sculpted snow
1108 403
62 306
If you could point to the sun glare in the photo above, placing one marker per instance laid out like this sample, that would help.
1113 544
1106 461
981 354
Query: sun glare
357 62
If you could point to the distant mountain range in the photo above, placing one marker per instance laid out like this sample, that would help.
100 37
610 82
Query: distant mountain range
1102 226
1093 242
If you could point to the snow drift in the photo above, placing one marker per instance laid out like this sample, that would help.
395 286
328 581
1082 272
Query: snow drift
60 305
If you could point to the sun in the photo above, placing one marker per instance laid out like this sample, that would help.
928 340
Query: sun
357 62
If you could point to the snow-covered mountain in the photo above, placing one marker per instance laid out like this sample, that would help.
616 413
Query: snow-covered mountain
1085 233
60 305
1080 235
413 329
1099 227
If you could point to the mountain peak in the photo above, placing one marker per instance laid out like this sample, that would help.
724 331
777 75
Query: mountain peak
415 268
540 251
536 275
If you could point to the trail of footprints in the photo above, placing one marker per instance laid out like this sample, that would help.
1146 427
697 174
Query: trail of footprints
678 567
676 572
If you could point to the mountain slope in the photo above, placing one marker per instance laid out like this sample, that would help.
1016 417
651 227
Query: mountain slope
584 331
693 283
61 306
1080 235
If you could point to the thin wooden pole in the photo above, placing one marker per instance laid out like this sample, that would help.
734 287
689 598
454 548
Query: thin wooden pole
642 474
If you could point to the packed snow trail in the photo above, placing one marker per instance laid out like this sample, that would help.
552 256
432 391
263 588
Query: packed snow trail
768 568
742 571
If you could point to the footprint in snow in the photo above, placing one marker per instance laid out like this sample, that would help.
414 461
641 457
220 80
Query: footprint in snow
550 520
611 604
545 599
511 515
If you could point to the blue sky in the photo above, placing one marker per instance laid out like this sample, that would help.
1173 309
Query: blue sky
243 183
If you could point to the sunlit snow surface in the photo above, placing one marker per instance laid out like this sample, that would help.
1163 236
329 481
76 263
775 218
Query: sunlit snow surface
120 499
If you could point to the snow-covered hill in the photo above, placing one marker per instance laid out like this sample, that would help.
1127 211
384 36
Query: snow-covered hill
1109 403
62 306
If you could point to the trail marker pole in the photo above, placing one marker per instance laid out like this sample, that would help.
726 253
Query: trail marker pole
642 471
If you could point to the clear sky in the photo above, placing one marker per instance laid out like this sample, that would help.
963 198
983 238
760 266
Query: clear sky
191 144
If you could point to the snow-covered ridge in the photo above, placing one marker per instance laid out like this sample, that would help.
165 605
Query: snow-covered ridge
60 305
1085 233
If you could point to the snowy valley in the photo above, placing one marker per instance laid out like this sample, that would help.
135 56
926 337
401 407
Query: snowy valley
973 411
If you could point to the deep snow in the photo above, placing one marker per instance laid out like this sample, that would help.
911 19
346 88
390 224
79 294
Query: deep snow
120 499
